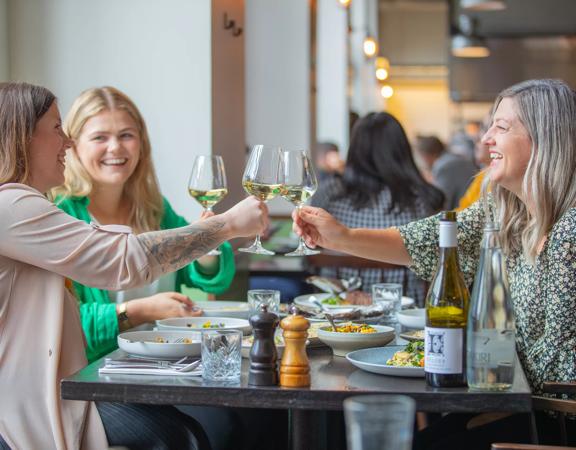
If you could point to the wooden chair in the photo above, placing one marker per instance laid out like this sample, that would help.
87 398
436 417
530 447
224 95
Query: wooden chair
560 406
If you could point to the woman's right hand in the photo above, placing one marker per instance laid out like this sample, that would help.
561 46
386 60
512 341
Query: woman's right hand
160 306
247 218
318 227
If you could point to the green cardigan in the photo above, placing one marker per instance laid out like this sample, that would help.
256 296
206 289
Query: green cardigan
98 314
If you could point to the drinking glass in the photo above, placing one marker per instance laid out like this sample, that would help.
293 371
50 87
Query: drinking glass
298 184
260 179
207 183
389 296
221 355
259 297
379 422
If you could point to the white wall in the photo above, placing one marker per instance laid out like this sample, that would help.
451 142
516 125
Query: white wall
278 76
4 68
332 74
159 53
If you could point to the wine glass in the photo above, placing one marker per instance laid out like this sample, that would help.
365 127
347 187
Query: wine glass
207 183
260 179
298 184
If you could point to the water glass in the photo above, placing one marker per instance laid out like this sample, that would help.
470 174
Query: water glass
389 297
379 422
221 355
259 297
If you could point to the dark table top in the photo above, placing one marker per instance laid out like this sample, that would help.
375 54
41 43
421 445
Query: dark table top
333 380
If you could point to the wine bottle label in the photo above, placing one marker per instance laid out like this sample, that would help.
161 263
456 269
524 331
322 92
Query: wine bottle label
443 350
491 348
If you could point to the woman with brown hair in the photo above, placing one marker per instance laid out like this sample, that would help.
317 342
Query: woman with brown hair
41 337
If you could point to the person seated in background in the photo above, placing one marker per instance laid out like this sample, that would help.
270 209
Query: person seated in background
110 179
450 173
42 340
532 140
381 187
482 160
327 161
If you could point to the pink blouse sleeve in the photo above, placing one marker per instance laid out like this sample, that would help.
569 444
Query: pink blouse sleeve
35 232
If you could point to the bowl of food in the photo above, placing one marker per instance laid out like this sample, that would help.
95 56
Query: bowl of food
160 344
249 340
353 336
203 323
412 318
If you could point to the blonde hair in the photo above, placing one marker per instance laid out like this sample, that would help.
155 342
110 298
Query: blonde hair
22 105
141 189
547 109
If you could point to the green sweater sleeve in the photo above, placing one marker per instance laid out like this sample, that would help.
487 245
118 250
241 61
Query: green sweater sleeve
192 275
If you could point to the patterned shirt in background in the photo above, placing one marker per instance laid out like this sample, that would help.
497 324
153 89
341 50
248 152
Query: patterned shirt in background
544 295
372 216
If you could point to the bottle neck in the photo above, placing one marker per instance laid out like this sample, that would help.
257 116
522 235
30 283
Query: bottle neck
448 235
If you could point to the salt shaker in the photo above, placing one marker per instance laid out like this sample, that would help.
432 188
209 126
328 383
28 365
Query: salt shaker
263 354
295 368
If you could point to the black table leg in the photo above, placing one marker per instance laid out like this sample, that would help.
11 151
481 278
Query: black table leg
305 429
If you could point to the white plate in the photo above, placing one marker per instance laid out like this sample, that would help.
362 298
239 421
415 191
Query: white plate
200 324
143 343
374 360
219 308
304 300
412 318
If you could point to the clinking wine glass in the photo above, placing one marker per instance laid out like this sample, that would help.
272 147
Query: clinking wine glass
207 183
261 180
299 183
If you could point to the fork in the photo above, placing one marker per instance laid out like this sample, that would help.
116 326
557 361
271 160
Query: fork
158 365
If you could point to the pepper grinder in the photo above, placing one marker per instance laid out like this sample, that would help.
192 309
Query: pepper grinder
263 353
295 368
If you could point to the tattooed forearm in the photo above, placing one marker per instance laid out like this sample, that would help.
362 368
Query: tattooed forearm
179 246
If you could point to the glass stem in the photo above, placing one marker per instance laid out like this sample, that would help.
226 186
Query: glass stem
301 243
257 241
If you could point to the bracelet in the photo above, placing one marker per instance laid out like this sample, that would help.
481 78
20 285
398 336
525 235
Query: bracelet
123 319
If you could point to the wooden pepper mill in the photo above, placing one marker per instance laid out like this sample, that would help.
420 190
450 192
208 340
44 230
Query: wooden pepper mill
263 354
295 368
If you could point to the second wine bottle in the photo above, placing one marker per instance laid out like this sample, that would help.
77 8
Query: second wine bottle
446 313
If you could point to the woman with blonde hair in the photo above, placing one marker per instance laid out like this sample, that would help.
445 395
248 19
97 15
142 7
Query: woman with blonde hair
110 179
532 146
41 336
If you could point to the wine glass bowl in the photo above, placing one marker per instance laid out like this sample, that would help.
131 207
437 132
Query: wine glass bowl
260 179
298 185
207 184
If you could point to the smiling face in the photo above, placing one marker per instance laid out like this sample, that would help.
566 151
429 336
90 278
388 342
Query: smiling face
109 147
510 147
47 151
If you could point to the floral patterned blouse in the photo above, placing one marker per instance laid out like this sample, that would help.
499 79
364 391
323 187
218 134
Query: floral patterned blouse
544 295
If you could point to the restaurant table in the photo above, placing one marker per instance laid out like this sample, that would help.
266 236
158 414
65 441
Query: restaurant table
333 380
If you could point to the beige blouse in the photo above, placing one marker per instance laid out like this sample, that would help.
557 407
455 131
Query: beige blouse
41 339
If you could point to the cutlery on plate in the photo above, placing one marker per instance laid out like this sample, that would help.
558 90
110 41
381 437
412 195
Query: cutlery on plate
157 365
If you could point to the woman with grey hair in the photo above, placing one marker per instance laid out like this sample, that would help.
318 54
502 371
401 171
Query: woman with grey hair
532 145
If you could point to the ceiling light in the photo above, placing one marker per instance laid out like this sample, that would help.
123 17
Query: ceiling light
469 47
483 5
466 44
386 91
345 3
370 46
381 74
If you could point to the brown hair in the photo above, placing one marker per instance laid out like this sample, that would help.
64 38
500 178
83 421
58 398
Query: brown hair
142 187
21 106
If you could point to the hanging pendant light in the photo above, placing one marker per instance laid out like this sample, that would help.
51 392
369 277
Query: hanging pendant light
483 5
466 43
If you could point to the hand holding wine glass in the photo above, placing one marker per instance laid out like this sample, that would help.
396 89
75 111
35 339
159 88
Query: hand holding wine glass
299 184
260 179
207 183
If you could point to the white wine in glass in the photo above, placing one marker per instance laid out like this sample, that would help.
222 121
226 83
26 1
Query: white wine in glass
260 179
299 183
207 183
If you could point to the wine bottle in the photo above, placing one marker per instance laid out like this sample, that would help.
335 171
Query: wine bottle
490 341
446 313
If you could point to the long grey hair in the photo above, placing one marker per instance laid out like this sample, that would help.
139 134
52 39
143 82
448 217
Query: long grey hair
547 109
